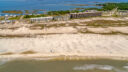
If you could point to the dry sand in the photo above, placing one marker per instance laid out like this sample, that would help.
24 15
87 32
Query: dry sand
24 30
113 46
63 30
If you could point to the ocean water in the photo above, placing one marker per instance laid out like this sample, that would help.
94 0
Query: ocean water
48 4
64 66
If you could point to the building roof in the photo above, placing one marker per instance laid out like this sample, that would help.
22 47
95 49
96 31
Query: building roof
86 12
41 17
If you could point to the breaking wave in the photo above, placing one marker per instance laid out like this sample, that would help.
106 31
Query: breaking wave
93 66
100 67
5 60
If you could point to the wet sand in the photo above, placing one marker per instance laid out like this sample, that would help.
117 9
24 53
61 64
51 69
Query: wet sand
101 65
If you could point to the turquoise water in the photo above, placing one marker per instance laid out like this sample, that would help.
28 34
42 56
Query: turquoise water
47 4
64 66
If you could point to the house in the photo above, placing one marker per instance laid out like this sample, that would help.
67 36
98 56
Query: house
41 19
116 12
7 21
123 13
86 14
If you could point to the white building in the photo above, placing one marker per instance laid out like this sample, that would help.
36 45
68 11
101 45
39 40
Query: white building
7 21
41 19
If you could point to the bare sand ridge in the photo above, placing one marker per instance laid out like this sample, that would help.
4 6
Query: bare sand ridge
96 25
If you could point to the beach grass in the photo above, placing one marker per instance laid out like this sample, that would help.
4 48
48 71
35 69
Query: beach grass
7 53
28 52
106 23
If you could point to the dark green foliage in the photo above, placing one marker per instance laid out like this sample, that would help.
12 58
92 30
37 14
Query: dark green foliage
58 12
15 18
31 16
75 11
110 6
98 9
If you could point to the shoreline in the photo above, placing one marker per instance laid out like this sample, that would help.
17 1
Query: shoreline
62 57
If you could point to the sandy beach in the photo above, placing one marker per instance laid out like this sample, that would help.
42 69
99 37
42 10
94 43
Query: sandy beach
67 45
93 37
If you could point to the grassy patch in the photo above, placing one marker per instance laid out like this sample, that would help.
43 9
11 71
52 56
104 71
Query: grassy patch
28 52
52 25
7 53
2 18
110 33
15 18
106 23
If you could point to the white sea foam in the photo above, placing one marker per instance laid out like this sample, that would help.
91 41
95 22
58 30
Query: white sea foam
93 66
126 67
5 60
